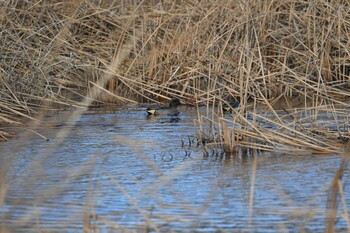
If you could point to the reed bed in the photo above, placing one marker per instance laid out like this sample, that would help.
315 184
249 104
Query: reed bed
286 62
317 130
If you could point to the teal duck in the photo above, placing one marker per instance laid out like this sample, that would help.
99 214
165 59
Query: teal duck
229 107
169 109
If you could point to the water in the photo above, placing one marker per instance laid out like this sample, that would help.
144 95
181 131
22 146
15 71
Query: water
123 171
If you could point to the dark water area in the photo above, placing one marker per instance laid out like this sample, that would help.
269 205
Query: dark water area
125 172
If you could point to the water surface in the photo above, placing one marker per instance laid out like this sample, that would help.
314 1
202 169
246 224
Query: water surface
124 171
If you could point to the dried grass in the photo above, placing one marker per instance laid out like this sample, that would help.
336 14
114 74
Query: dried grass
55 53
335 190
286 62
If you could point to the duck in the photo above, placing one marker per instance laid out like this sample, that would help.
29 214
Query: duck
169 109
230 106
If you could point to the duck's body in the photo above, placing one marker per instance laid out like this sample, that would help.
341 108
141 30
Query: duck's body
170 109
228 108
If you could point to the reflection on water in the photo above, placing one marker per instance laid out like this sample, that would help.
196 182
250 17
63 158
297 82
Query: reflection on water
124 170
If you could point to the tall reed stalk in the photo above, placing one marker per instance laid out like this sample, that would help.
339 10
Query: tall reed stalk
203 52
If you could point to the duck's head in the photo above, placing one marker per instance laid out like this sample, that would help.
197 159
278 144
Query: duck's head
228 107
174 103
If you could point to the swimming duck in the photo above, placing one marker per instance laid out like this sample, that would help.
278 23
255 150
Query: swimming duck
228 108
170 109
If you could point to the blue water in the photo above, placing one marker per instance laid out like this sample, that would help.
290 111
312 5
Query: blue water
128 172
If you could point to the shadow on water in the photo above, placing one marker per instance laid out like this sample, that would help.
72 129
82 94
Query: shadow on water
124 170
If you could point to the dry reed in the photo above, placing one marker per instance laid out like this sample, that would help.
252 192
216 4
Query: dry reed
205 52
286 62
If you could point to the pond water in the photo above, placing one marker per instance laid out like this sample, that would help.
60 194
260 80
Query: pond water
125 172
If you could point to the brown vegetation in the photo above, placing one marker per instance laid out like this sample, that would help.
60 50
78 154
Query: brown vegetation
55 53
286 62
